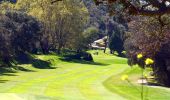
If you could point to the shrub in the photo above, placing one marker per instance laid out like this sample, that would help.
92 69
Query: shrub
151 38
19 32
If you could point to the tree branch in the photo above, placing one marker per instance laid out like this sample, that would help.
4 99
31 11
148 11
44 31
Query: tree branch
146 6
54 1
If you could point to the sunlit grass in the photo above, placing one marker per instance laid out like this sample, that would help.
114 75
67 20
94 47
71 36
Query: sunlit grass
76 81
132 91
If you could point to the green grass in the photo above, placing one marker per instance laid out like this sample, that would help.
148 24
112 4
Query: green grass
76 80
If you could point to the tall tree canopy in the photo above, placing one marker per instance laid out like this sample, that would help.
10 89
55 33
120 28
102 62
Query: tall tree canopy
139 7
148 32
19 32
62 22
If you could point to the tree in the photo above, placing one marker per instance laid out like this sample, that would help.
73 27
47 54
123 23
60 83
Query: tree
70 23
146 37
87 37
116 44
19 33
12 1
27 32
116 30
139 7
5 47
97 16
149 37
62 21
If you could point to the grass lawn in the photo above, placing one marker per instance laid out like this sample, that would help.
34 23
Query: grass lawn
77 80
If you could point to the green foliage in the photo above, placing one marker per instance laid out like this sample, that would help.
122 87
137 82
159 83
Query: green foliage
150 38
88 36
27 32
39 25
63 22
116 44
116 32
19 33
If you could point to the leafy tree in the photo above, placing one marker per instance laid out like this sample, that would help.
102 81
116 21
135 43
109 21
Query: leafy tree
62 21
116 44
5 46
12 1
88 36
149 37
19 33
97 16
116 29
68 29
138 7
27 32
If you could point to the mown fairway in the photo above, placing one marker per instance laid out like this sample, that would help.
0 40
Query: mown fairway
74 81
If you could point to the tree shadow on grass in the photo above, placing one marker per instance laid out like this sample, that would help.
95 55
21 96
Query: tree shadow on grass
24 58
19 68
3 81
83 62
6 70
8 74
153 84
10 71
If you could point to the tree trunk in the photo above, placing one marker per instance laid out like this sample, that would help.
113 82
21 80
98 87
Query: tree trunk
105 45
162 71
163 77
6 58
59 49
111 51
45 48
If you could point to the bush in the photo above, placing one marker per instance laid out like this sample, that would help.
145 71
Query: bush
19 32
149 37
78 56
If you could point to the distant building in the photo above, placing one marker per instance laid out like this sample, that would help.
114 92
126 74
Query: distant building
99 44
